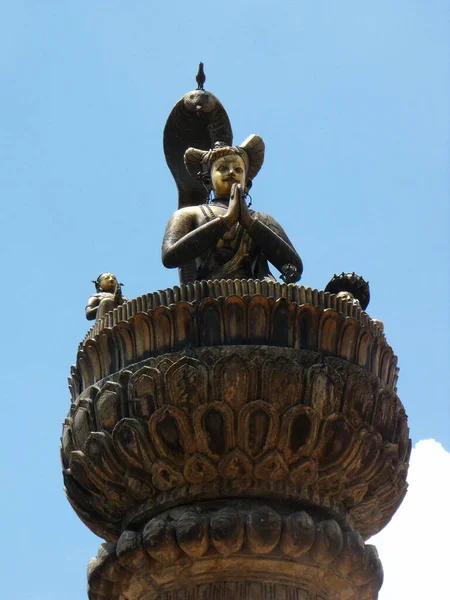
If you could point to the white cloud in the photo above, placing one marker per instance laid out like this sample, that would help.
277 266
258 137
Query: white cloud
413 547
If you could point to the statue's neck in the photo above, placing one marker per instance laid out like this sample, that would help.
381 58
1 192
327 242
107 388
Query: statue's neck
221 200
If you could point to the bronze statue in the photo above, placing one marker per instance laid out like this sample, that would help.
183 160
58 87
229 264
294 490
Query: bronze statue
350 287
223 239
107 297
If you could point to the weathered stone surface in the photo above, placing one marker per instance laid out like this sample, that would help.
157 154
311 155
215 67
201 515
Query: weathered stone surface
325 561
229 437
211 314
177 450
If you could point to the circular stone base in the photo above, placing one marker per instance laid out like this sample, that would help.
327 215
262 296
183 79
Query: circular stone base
252 551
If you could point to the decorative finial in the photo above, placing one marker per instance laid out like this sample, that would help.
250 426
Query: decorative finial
200 77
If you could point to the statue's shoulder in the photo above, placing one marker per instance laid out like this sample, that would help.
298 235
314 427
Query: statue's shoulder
187 211
100 296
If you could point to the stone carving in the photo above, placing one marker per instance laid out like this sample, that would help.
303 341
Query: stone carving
215 321
324 558
107 297
216 443
247 390
200 290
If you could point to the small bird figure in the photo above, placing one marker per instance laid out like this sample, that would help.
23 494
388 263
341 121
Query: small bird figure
200 77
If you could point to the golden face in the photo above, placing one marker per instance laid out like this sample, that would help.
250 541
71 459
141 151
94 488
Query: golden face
348 297
225 171
107 282
345 296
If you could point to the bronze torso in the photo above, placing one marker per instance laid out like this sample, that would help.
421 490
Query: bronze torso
235 256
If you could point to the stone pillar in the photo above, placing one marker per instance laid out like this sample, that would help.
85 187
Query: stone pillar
235 440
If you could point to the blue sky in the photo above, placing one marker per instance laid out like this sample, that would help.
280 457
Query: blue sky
352 101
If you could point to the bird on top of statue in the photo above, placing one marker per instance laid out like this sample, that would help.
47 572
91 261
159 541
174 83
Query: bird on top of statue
200 78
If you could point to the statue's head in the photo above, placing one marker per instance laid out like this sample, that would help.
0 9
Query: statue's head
224 165
347 297
105 282
225 171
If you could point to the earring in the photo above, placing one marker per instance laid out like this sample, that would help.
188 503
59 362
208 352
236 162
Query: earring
206 179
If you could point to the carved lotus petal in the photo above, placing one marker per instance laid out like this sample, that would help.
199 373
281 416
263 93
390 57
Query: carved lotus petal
95 570
199 469
352 554
366 511
145 391
80 471
99 489
300 426
100 451
324 389
166 476
192 534
214 429
131 442
108 405
140 489
336 441
130 552
331 482
271 466
263 530
186 381
113 571
67 445
233 380
82 425
355 493
258 425
235 320
235 465
170 432
298 535
371 571
159 541
328 542
282 382
162 321
304 472
227 531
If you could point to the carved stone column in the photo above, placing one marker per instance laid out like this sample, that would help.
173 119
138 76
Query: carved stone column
235 439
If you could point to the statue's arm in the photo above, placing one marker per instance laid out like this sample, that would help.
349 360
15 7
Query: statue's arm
92 307
275 244
183 241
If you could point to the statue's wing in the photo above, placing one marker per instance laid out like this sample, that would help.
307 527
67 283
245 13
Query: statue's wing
197 120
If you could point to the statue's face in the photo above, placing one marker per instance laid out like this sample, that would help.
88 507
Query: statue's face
108 282
225 171
348 297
